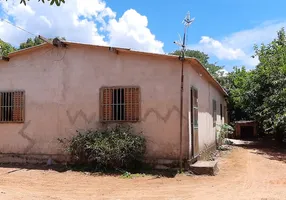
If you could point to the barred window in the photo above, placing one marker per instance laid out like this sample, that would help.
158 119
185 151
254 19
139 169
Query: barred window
120 104
12 106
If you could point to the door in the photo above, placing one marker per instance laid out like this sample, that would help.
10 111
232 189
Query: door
194 106
246 132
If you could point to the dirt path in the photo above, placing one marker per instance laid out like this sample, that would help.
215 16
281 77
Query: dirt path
244 174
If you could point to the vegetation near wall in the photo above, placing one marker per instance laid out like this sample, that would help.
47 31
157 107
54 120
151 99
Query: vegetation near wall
115 147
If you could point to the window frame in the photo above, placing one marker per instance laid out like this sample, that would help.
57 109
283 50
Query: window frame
214 112
101 89
221 112
194 89
23 108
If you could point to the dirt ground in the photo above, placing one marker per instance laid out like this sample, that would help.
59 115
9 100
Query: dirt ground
246 172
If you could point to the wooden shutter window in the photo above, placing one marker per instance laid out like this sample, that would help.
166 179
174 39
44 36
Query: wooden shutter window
12 107
106 104
120 104
18 111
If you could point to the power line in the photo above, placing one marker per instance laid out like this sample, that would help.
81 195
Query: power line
18 27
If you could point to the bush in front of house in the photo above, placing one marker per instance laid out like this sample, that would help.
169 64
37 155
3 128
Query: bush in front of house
224 131
115 147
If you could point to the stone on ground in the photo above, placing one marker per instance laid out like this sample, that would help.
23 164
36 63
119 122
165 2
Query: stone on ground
204 168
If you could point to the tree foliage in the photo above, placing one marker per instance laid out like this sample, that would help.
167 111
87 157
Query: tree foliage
36 41
6 48
269 82
31 42
215 70
260 94
52 2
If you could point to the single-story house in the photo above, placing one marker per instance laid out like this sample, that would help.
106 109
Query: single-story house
245 129
49 91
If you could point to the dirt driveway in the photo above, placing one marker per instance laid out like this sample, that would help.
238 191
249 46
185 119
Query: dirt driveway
245 173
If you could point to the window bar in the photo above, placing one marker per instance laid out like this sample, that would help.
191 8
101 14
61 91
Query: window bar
108 115
136 102
107 106
10 106
15 96
121 105
18 105
1 108
22 103
131 101
108 96
6 97
104 110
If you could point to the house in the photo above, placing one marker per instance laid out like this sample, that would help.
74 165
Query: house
49 91
245 129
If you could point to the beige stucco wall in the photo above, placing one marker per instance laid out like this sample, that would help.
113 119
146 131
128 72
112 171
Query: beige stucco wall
62 95
206 94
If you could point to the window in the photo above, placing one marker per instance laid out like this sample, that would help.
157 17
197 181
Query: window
12 106
214 113
220 111
120 104
195 107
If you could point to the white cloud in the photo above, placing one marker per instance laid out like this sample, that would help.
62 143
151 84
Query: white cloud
220 50
88 21
239 46
131 29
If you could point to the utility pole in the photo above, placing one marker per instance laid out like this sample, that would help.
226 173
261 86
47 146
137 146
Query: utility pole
187 22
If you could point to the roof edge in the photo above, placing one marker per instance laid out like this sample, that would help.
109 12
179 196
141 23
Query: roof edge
202 68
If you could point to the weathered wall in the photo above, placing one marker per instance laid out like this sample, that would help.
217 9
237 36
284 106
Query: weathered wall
206 93
62 95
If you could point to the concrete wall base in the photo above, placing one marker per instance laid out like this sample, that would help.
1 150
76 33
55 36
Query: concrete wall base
33 159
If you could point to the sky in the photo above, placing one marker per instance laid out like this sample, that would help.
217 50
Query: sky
225 30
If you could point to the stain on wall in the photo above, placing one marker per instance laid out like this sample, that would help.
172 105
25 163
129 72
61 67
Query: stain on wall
165 117
25 136
83 115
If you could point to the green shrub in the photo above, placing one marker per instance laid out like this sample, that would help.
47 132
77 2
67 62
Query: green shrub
109 148
224 131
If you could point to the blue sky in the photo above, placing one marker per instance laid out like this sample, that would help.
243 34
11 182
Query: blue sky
226 30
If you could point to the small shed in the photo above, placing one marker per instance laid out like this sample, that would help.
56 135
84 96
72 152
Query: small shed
245 129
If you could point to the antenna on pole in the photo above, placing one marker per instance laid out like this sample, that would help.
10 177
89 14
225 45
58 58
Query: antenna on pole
187 22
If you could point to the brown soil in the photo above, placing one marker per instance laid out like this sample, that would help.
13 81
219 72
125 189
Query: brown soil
245 173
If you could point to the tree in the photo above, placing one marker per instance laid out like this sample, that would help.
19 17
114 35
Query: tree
238 84
34 42
31 42
269 84
260 94
214 70
6 48
52 2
